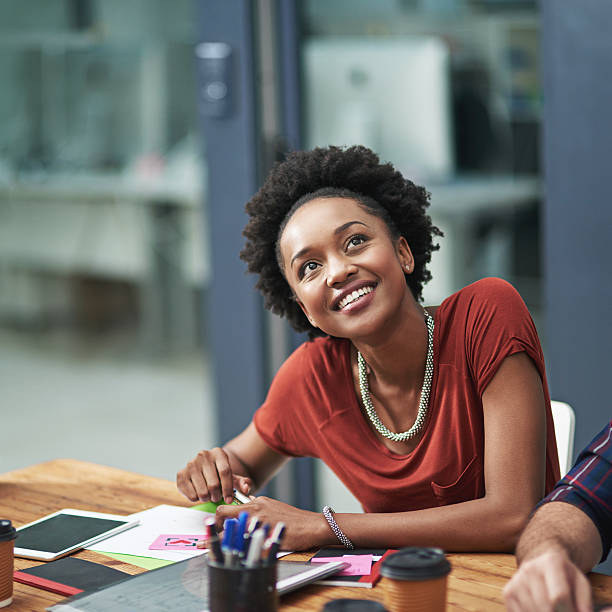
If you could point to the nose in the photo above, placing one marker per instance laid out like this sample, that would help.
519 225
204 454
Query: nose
339 268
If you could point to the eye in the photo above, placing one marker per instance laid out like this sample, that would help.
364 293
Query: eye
356 240
308 267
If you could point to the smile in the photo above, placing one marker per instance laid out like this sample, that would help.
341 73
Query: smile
355 295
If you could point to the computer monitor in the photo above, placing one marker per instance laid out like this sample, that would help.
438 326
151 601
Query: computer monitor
390 94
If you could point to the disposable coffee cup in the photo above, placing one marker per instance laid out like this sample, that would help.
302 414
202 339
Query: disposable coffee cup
242 589
414 580
7 540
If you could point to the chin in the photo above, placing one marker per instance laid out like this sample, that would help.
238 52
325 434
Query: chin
358 332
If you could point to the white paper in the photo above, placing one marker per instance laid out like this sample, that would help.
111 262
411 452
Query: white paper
153 522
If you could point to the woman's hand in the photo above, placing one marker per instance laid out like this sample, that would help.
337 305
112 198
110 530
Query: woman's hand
209 477
304 529
245 463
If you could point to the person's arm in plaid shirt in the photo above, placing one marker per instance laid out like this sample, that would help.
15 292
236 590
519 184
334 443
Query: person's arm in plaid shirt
569 533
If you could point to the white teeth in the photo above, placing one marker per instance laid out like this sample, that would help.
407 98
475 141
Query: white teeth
351 297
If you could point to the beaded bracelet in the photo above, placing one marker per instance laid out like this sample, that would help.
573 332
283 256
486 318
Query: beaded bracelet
328 513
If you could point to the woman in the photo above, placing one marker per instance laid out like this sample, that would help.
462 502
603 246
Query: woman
437 419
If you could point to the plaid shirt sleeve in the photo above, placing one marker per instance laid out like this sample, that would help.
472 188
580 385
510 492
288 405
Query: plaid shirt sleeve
588 485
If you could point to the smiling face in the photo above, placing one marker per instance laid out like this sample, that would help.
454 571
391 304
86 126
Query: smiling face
345 269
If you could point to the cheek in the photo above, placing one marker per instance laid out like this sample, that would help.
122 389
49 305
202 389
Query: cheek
395 271
306 296
389 261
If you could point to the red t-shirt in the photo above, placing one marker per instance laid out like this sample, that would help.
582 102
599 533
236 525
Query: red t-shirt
312 409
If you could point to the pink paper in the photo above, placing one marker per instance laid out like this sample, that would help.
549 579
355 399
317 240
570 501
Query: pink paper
360 565
177 541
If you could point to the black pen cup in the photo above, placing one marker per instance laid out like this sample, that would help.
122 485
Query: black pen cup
242 589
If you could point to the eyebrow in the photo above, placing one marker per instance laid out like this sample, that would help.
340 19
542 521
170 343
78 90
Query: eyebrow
337 231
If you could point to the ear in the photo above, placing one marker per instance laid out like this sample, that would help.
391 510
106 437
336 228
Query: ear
305 311
404 255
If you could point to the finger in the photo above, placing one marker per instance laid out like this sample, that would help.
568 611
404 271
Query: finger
583 597
244 484
226 476
524 596
185 486
224 512
199 481
558 591
508 594
516 593
538 596
526 590
520 602
212 471
511 604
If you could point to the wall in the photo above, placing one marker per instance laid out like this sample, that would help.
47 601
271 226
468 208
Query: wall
577 59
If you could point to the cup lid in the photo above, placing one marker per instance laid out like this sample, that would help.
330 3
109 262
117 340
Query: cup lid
7 531
353 605
415 563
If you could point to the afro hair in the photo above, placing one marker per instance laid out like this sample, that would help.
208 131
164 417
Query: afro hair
356 169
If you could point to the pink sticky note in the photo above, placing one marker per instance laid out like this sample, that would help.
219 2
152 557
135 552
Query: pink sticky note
176 541
360 565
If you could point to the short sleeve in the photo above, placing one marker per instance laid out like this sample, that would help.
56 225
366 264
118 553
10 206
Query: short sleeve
307 389
498 325
275 420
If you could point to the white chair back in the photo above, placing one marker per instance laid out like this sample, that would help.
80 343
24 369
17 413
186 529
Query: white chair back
565 420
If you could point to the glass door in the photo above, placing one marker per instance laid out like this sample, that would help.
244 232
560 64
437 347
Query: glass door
103 250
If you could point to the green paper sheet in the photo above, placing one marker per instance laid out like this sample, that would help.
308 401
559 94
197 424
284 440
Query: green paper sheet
207 506
147 563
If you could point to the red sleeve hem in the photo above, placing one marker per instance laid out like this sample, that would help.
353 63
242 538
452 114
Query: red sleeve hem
269 441
512 348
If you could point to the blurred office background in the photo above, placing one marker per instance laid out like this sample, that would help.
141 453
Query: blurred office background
133 132
103 254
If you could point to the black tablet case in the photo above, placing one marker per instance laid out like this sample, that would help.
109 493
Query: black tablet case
69 576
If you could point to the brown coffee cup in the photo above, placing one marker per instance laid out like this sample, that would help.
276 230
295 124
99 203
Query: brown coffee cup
414 580
7 541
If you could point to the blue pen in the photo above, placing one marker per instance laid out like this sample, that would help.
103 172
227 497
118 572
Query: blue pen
229 529
254 524
238 545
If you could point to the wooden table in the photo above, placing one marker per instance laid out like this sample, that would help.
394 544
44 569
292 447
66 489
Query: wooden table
475 583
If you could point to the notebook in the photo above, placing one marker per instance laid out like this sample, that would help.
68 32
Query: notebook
69 576
185 584
354 581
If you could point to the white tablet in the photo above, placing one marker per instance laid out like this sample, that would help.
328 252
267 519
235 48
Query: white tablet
65 531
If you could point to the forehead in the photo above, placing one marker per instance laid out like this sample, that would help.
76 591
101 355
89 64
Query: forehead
319 218
326 210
